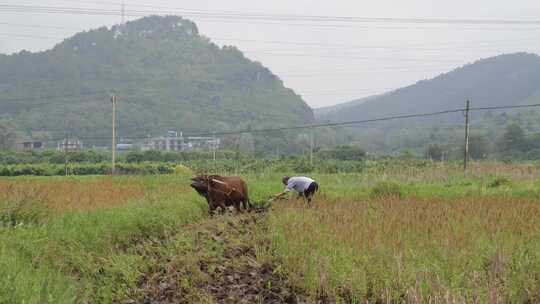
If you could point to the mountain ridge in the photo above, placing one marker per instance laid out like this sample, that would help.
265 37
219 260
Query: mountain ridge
508 79
167 75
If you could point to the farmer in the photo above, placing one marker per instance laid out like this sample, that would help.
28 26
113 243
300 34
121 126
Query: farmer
305 186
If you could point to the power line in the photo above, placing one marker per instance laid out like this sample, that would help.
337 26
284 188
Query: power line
504 107
41 26
28 36
353 73
3 100
328 124
417 47
353 57
207 11
354 122
332 124
331 56
323 46
262 16
347 90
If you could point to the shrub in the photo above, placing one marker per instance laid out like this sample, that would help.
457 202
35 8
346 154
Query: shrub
134 157
183 170
345 152
499 181
22 210
303 166
386 190
85 169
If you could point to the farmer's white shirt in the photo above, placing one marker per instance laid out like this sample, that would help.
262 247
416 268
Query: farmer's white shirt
298 183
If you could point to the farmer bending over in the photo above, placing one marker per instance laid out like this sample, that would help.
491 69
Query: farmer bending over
305 186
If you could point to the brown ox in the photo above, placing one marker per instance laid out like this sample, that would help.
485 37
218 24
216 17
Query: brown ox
222 191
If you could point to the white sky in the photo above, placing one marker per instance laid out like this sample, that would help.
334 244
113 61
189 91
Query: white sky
325 62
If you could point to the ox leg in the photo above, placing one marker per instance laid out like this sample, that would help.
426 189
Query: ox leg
211 209
222 207
245 204
237 207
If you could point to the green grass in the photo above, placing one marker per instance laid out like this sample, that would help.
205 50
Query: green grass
89 255
444 238
443 233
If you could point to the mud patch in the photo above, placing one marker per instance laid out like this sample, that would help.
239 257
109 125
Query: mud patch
216 261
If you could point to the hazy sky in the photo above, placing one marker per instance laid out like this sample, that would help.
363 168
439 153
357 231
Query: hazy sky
325 62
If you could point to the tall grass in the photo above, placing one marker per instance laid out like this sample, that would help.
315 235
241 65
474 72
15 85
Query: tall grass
428 233
468 249
89 254
63 194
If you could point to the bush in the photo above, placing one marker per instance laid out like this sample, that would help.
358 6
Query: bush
183 170
345 152
84 169
51 157
337 166
24 210
180 156
386 190
499 181
303 166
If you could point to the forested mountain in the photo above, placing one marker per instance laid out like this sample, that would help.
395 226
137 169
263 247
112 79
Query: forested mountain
503 80
167 76
512 79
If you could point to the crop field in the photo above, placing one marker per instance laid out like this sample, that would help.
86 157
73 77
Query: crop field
398 234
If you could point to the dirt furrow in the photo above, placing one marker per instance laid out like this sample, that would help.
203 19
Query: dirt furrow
216 261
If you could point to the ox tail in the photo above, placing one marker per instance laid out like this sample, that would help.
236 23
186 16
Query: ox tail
249 205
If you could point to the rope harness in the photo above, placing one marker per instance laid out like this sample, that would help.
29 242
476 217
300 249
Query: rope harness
227 193
232 189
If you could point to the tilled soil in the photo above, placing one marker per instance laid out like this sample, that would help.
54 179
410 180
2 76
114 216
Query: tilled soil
216 261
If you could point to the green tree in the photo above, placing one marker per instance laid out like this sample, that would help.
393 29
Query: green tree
8 135
514 139
171 77
479 147
434 152
343 152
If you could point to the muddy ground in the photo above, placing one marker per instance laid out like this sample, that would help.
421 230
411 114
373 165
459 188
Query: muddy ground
224 259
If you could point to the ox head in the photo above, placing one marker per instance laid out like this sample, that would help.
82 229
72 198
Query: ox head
200 184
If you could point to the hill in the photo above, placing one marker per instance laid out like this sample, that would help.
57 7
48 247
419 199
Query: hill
168 77
510 79
328 113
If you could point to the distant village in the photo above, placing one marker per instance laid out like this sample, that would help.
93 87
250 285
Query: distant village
171 141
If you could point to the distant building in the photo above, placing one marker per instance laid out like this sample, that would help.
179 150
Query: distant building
125 145
70 144
31 145
175 141
170 142
200 142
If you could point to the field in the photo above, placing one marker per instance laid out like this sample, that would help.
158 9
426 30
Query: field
399 234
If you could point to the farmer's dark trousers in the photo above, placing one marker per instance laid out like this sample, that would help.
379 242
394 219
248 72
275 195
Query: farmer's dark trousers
310 191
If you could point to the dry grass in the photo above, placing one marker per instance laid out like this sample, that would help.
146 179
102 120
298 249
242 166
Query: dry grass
49 253
418 250
88 194
444 170
450 239
65 195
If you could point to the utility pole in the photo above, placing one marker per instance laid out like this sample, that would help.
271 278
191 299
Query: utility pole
66 142
311 144
467 127
214 148
114 99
